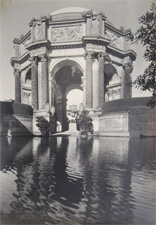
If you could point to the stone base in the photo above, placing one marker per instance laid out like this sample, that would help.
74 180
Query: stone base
114 124
15 125
127 118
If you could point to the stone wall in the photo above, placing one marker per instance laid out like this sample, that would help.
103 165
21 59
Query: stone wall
15 119
127 117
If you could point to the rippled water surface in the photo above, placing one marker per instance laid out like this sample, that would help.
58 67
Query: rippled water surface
68 180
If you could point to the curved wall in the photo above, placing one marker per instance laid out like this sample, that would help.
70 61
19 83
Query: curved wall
127 117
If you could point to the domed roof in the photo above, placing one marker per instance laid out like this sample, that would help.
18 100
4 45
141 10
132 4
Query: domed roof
69 10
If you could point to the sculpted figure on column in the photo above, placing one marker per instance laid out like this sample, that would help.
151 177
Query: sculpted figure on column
126 79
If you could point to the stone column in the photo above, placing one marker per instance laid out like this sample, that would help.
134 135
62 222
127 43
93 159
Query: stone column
126 89
34 82
89 81
44 81
100 79
17 85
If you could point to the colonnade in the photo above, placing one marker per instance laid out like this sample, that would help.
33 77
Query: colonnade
94 96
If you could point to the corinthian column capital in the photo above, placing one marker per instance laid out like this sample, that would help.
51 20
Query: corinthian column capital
34 59
101 56
89 54
17 71
128 66
43 57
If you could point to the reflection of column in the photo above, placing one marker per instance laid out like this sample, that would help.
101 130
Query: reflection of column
89 83
126 91
17 85
34 80
101 79
44 81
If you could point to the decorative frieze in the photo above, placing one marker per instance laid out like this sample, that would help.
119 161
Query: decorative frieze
114 92
37 51
95 48
115 39
26 94
72 33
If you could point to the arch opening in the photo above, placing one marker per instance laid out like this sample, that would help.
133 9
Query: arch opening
68 83
112 83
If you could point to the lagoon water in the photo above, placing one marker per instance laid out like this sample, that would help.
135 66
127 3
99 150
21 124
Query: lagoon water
68 180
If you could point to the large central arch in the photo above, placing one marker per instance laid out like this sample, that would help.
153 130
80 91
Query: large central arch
66 75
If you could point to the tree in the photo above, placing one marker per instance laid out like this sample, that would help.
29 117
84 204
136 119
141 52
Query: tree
146 34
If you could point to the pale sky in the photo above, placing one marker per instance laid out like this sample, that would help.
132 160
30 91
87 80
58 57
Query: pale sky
16 15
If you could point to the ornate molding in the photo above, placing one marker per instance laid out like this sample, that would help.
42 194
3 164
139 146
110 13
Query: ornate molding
114 92
26 94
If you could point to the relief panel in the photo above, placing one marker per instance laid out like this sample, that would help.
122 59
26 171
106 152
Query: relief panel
115 39
61 34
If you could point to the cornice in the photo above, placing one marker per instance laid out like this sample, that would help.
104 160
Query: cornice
23 38
66 22
36 44
117 31
64 45
120 53
20 60
96 40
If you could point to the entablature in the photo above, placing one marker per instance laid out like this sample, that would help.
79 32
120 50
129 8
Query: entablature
96 40
120 53
37 44
20 60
